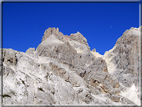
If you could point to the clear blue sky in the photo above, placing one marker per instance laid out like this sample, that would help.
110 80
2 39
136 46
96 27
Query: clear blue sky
101 23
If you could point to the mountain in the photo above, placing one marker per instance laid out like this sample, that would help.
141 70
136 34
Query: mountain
124 62
63 71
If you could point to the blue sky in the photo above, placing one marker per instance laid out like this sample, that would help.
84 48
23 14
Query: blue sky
100 23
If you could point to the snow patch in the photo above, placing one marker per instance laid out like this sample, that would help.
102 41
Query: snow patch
132 95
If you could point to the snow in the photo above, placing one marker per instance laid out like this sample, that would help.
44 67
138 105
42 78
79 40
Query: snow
131 95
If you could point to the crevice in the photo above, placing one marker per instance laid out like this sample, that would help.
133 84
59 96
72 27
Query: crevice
40 89
6 95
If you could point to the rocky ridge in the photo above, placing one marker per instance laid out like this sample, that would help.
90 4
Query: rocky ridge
62 70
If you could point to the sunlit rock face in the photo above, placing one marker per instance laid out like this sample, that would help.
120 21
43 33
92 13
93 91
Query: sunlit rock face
124 61
63 71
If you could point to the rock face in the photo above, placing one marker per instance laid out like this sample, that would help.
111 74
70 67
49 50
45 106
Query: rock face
124 59
30 51
63 71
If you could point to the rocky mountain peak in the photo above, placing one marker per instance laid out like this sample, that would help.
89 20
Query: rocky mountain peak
50 31
65 38
56 32
63 70
79 38
131 35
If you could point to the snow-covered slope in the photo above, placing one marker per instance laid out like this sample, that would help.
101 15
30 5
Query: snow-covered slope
131 94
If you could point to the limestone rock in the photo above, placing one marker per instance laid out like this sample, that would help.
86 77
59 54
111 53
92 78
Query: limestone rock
124 60
9 57
79 38
63 71
56 32
94 50
54 48
30 51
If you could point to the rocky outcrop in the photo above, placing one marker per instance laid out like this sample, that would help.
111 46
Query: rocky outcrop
54 48
30 51
123 61
126 57
79 38
56 32
62 70
9 57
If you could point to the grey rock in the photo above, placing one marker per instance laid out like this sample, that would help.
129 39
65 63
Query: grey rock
94 90
63 71
62 51
9 56
56 32
94 50
126 56
124 59
79 38
30 51
125 100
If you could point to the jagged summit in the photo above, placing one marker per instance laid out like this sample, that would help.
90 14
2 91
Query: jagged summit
65 38
62 70
50 31
79 38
